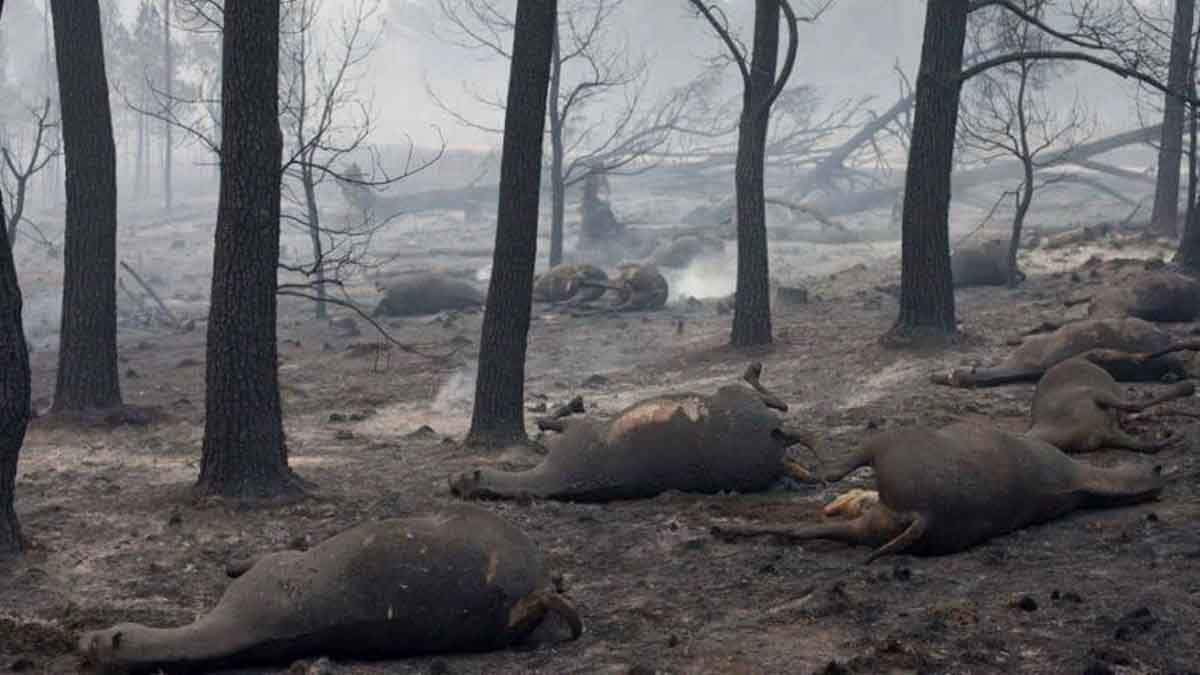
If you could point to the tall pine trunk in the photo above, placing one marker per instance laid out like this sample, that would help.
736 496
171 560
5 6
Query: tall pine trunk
498 417
1165 216
926 286
87 354
244 455
752 303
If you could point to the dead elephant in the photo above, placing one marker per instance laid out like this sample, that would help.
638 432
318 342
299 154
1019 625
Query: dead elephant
563 283
1077 405
1153 296
944 491
730 441
457 580
984 264
419 294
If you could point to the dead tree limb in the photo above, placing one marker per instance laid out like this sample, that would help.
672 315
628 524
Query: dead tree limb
172 319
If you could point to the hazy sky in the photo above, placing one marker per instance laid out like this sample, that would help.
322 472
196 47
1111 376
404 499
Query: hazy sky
849 53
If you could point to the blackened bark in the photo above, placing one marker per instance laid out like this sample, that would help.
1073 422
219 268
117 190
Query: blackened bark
1165 216
244 453
1025 198
558 187
87 354
1187 255
926 288
14 392
168 128
498 416
752 304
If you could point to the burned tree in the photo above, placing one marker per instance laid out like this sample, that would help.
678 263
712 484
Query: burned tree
586 69
760 87
1005 113
87 354
44 150
498 417
926 295
1170 152
244 454
319 88
14 392
926 286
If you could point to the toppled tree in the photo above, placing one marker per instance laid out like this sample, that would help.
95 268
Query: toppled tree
43 151
498 416
1005 113
244 454
761 87
587 71
87 354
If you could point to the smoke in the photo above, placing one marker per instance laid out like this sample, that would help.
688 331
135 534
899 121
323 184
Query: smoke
711 276
456 393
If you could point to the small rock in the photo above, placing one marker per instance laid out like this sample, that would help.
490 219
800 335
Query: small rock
673 641
834 668
595 381
132 374
1026 603
1137 622
343 435
422 433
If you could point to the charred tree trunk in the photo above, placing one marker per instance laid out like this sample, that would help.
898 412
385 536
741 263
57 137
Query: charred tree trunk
752 303
14 393
169 76
1025 196
139 170
1187 255
558 187
314 232
87 353
926 287
1165 216
498 417
244 453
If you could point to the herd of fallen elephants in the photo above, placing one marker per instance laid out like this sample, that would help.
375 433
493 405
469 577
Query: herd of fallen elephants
463 579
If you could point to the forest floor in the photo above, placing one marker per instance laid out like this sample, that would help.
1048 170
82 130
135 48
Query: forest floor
116 537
